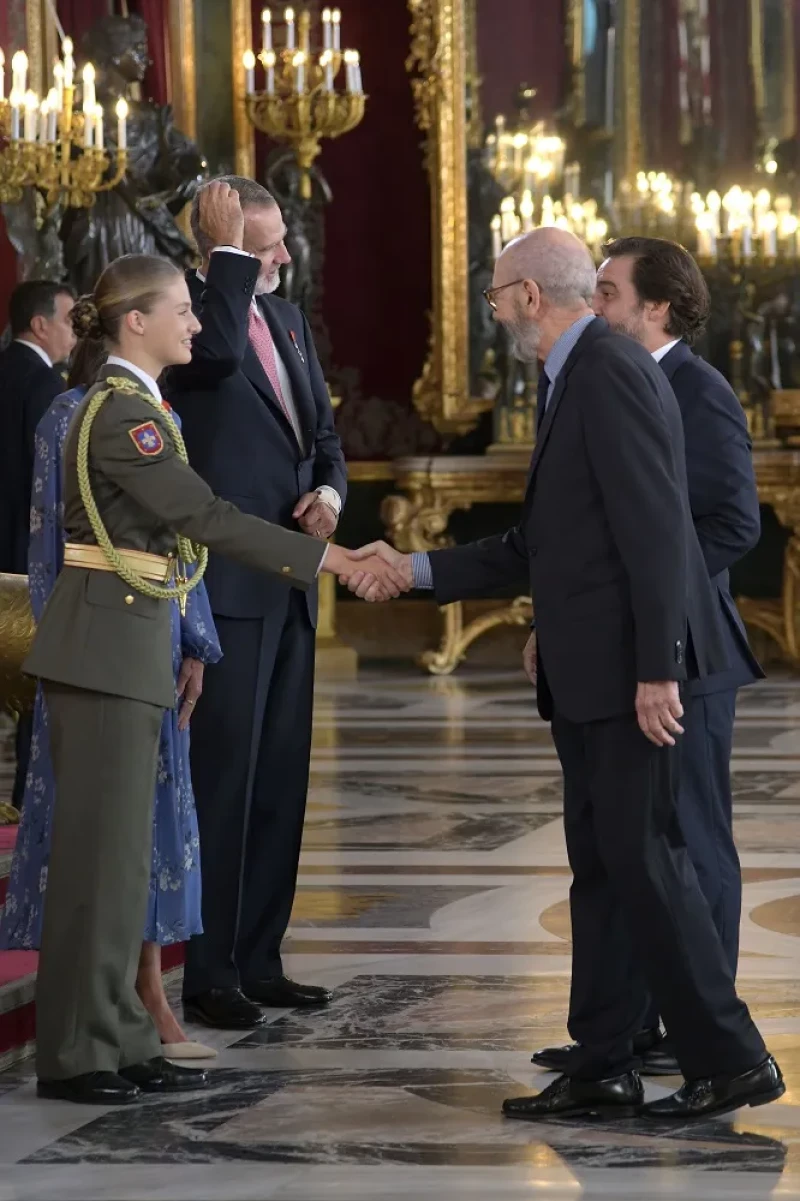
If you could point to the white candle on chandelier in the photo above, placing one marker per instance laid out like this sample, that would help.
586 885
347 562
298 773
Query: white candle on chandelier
19 71
357 72
69 64
2 74
44 110
88 129
266 29
31 115
52 115
269 63
99 136
326 62
89 98
249 61
122 123
497 237
336 21
15 100
327 36
299 64
58 78
526 210
288 16
348 66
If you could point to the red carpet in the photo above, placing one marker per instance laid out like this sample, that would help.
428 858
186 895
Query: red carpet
18 977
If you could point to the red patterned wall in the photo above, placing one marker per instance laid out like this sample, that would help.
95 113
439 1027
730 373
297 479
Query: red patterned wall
377 269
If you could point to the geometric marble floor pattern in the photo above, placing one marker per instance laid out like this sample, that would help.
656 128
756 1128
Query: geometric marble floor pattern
433 899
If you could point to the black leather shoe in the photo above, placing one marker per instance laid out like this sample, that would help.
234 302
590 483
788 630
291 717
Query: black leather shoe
660 1061
618 1097
554 1059
223 1008
720 1094
160 1076
283 993
91 1088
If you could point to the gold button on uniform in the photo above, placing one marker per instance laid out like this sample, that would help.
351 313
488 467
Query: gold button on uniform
286 570
129 599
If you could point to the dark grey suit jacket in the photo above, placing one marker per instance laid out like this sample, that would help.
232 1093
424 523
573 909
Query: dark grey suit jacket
605 540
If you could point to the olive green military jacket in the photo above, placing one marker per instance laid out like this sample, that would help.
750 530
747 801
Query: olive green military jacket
97 632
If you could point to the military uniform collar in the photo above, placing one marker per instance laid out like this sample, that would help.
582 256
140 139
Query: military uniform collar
113 366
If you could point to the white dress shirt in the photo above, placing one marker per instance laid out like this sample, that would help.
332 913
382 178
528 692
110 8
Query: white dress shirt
326 493
43 355
663 351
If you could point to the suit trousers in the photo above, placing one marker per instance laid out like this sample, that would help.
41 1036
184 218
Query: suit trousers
705 812
88 1015
251 746
635 901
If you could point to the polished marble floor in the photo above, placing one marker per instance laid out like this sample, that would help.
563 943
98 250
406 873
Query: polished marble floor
433 899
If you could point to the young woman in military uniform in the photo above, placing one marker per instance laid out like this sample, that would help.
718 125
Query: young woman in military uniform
103 652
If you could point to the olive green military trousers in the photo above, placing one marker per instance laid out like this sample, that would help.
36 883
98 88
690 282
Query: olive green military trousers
105 754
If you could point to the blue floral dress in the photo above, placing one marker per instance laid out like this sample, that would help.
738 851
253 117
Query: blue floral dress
173 912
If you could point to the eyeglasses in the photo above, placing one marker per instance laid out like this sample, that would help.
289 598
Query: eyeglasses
489 294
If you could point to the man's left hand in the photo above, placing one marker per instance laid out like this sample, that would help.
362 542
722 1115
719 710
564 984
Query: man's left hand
190 689
658 709
315 516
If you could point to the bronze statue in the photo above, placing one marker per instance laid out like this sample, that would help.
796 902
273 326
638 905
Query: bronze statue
164 167
300 281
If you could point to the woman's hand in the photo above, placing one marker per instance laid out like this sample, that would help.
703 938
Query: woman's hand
190 689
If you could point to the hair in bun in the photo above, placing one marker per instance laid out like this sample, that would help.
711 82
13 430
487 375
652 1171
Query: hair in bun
85 319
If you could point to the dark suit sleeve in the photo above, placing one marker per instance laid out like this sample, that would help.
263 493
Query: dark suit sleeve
168 488
481 568
629 448
329 465
48 387
719 466
223 311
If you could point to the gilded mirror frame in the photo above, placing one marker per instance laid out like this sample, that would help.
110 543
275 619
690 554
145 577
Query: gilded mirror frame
441 62
440 36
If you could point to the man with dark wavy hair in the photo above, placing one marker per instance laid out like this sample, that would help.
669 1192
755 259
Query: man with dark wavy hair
654 291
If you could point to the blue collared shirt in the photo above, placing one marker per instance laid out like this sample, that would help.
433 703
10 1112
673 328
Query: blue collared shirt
556 361
553 365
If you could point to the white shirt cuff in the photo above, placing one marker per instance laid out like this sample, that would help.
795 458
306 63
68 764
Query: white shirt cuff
322 560
331 497
421 569
232 250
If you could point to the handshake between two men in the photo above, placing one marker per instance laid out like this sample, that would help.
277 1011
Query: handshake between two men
375 573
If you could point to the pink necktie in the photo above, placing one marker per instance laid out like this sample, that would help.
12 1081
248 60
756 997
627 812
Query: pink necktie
263 345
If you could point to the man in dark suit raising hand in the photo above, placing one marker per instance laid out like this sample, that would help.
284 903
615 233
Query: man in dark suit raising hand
258 425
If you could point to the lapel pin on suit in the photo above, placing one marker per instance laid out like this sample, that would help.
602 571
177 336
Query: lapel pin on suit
296 345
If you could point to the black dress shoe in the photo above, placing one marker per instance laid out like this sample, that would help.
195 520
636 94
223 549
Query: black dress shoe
91 1088
160 1076
618 1097
720 1094
283 993
660 1061
224 1008
554 1059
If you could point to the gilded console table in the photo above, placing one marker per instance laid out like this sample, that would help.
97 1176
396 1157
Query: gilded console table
430 490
